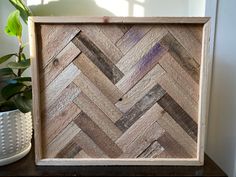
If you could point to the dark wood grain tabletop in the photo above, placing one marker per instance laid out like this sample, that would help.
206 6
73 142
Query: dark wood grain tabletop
27 167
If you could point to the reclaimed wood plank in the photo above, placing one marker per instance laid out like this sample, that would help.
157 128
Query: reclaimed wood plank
64 98
175 131
54 125
51 93
132 37
144 65
177 93
98 57
169 64
187 39
140 89
97 135
58 143
145 121
141 143
97 116
96 76
102 42
141 48
134 113
112 32
152 151
95 95
53 38
56 66
179 115
88 146
181 56
173 148
69 151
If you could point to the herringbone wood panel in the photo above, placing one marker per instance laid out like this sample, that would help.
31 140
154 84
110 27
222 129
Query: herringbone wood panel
119 91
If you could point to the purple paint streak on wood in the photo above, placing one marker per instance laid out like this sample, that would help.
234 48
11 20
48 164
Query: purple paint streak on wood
152 57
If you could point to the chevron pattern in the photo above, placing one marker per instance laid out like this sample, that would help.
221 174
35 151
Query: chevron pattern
119 91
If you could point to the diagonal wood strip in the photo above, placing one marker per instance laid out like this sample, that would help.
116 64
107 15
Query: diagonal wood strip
56 66
103 43
95 75
97 116
94 94
87 46
140 108
140 89
97 135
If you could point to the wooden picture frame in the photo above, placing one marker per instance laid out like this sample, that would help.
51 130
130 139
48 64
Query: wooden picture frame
44 46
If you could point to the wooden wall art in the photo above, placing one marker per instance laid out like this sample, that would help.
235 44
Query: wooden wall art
119 91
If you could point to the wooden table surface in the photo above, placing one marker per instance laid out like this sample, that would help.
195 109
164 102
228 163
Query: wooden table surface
26 167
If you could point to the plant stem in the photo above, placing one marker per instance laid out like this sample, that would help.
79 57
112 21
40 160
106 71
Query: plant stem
19 55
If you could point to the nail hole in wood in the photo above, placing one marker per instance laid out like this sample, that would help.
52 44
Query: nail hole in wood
120 99
56 62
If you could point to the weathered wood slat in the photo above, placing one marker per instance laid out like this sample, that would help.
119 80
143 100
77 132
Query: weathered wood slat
53 39
139 126
152 151
178 94
63 138
141 48
51 93
97 135
134 113
132 37
53 126
97 116
140 89
87 46
103 43
112 32
64 98
69 151
169 64
179 115
144 65
181 56
88 146
188 40
97 77
146 138
97 97
172 147
55 67
175 131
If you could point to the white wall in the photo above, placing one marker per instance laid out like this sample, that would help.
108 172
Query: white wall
221 144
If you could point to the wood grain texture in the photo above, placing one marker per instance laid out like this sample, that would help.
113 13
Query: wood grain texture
121 91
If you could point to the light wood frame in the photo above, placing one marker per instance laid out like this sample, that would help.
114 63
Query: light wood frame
205 73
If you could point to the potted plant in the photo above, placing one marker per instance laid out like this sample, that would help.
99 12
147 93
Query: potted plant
15 94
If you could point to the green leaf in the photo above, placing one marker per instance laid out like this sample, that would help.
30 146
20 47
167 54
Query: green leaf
7 106
28 93
24 10
6 72
6 57
22 103
11 89
14 27
18 80
19 65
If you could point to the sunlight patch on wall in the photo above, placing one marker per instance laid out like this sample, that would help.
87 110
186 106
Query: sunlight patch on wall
117 7
38 2
138 10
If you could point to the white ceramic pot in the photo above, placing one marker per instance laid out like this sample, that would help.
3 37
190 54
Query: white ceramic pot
15 135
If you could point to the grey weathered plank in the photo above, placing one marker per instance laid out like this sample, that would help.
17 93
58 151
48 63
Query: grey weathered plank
179 115
97 135
87 46
140 107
